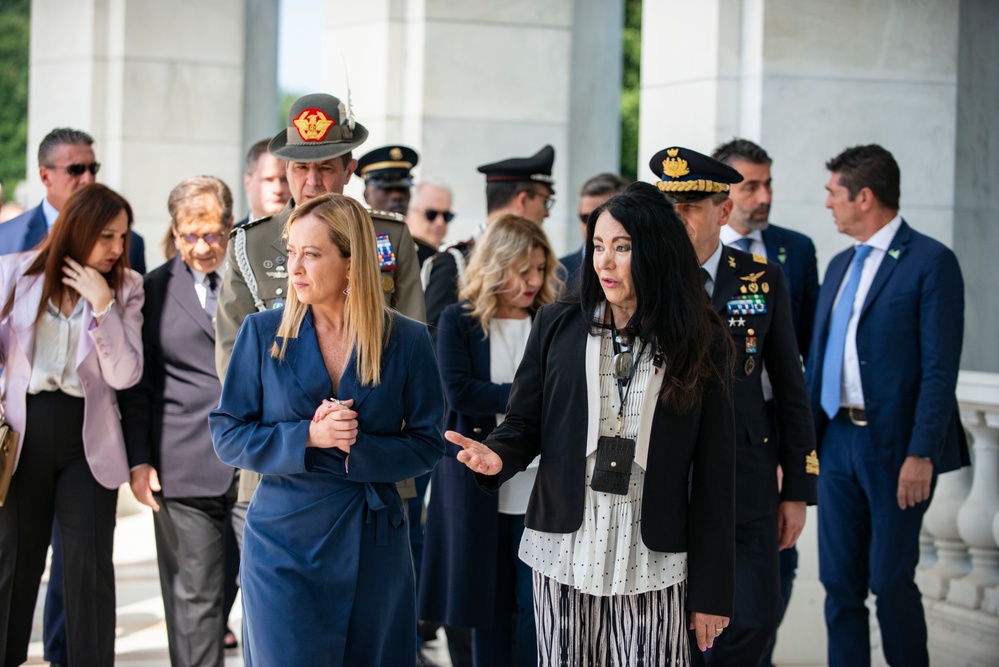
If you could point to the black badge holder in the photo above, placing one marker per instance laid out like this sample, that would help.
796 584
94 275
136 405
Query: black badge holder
612 469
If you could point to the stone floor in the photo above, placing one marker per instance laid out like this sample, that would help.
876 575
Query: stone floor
141 632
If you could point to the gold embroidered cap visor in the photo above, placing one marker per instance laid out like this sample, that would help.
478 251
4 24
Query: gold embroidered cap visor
319 128
687 176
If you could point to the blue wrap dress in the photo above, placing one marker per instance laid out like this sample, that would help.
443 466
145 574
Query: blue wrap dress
326 572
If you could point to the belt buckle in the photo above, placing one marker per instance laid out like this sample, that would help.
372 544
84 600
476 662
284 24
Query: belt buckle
856 420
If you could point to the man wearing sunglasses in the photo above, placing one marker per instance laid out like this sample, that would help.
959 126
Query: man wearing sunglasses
66 163
517 186
428 218
595 191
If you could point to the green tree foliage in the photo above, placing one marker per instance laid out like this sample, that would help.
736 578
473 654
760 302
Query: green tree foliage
630 87
14 36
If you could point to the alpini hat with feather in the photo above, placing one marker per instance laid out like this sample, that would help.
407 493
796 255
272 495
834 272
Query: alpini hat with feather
320 127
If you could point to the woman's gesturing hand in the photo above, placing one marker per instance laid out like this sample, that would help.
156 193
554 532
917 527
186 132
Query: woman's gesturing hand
475 455
334 425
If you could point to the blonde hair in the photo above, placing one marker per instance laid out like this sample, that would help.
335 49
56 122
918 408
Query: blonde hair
365 313
506 246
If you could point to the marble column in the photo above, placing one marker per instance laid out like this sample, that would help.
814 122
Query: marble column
806 80
158 85
468 82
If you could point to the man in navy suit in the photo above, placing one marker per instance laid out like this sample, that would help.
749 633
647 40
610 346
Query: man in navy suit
749 230
882 372
595 191
66 163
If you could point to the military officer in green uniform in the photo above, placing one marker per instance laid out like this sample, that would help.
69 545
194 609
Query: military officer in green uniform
317 146
749 294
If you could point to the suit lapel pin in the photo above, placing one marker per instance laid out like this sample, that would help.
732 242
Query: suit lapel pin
895 252
782 255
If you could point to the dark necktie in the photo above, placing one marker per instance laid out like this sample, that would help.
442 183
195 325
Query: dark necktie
744 244
832 360
707 280
212 294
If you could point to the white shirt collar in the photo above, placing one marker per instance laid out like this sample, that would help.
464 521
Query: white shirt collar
881 240
50 212
712 263
729 235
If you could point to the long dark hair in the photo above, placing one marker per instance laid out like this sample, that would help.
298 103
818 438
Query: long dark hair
86 213
673 313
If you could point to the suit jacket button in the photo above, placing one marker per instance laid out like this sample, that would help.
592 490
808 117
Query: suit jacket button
476 430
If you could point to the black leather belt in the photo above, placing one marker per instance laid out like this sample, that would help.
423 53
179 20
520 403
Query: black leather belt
857 416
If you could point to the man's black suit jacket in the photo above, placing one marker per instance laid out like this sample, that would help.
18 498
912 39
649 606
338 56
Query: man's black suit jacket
766 338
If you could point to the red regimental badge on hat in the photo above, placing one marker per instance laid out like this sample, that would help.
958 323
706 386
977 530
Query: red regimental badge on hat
313 125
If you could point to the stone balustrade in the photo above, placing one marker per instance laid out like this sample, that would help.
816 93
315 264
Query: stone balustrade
959 567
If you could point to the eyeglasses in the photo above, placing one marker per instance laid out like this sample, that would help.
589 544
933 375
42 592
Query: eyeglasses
431 215
77 169
550 203
211 238
624 361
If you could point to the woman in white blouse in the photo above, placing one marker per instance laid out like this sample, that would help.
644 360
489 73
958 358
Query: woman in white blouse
625 394
471 575
70 336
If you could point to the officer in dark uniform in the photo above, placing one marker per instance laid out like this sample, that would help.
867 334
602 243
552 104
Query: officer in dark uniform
317 146
518 186
387 178
749 293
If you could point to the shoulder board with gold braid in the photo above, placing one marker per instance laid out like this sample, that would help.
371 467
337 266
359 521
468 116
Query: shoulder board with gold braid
388 216
758 259
251 224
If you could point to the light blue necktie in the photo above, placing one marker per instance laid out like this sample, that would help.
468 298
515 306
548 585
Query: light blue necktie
745 243
832 362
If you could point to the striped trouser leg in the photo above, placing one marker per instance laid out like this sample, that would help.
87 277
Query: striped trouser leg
580 630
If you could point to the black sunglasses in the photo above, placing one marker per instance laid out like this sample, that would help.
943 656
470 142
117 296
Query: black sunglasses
432 215
78 169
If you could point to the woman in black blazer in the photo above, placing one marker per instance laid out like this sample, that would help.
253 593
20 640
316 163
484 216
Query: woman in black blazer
625 394
471 576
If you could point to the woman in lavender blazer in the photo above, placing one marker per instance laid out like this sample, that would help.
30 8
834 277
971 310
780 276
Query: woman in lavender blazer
70 336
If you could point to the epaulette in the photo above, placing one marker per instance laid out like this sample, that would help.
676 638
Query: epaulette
758 259
387 215
249 225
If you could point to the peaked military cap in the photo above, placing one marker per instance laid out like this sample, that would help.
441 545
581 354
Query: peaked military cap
388 166
320 127
687 176
537 168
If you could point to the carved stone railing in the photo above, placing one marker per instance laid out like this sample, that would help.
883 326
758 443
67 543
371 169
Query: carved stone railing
959 567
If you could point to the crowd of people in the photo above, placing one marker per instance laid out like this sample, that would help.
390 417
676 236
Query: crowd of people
619 446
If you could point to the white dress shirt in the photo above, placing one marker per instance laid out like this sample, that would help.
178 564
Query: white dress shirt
201 282
711 266
53 364
851 391
50 213
729 236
